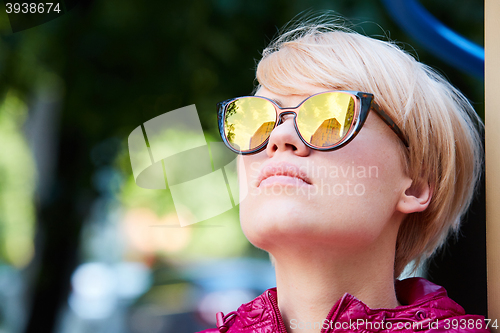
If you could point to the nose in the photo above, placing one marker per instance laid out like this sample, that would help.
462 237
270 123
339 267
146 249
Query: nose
285 138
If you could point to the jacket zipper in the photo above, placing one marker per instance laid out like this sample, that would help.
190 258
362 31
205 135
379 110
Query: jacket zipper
281 324
274 303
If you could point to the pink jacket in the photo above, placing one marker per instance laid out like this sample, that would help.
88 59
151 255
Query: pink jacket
426 308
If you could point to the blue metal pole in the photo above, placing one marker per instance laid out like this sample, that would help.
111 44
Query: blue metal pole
443 42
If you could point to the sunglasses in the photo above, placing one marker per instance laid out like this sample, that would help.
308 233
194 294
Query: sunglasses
325 121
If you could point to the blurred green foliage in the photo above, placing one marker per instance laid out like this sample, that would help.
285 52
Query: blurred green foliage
125 62
17 185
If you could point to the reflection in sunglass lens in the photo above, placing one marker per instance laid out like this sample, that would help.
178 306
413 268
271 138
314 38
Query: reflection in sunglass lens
325 119
248 122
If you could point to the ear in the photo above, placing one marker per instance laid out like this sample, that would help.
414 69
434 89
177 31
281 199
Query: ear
415 198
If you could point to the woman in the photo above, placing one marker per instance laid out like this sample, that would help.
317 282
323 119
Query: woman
357 160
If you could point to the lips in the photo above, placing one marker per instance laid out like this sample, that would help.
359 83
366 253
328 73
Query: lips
284 173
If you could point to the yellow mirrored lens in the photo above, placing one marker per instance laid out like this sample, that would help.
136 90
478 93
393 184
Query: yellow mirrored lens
325 119
248 122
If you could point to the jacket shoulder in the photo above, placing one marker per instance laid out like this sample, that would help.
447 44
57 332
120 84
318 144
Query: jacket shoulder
435 310
254 316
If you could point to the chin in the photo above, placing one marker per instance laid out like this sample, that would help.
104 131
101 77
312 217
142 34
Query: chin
277 225
282 228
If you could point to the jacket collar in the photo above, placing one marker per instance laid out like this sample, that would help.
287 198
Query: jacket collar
422 302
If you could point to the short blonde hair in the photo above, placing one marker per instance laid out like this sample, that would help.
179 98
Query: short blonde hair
445 146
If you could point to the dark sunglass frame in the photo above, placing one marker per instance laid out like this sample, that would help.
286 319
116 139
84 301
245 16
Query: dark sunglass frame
364 101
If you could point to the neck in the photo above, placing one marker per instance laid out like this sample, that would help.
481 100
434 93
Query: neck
310 281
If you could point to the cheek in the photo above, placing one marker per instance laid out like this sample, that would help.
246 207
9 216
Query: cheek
248 168
252 206
364 188
379 175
